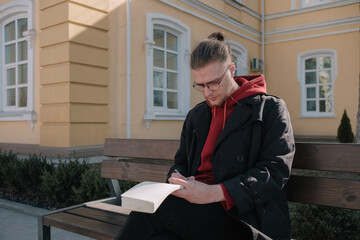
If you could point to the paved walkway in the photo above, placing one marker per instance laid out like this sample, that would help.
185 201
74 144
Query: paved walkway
19 222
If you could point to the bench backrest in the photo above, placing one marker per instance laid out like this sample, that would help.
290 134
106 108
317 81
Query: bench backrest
314 178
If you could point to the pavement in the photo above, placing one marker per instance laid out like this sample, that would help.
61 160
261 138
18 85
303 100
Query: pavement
19 221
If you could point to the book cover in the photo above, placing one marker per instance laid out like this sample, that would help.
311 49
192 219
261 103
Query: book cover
147 196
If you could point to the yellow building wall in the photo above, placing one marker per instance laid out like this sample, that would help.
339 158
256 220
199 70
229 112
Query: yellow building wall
281 65
118 75
74 75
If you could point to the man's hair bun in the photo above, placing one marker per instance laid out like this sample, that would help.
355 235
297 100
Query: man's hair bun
220 36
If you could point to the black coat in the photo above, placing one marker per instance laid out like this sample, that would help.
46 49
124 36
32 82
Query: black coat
252 159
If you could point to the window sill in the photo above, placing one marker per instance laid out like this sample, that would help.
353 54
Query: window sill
22 116
149 117
318 116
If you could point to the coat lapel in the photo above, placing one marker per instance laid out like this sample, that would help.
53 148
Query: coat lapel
242 116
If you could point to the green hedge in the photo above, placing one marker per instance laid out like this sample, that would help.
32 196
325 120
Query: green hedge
66 183
312 222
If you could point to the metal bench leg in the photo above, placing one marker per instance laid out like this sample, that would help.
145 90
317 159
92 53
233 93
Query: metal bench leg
43 230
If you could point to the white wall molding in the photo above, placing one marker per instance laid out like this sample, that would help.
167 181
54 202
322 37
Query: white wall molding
313 36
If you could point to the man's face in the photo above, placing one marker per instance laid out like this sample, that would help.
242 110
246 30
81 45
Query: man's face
213 73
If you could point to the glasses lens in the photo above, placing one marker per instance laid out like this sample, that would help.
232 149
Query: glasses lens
213 86
200 88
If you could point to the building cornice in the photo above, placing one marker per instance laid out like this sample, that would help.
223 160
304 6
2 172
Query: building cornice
241 7
310 9
217 14
313 26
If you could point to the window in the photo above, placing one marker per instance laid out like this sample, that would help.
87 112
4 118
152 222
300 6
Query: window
318 72
167 69
15 65
309 3
16 61
239 57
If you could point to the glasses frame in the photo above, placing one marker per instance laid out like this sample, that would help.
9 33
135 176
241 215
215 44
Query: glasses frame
212 86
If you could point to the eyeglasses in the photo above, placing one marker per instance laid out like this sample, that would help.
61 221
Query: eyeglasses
215 85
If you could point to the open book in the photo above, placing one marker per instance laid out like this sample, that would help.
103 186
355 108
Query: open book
147 196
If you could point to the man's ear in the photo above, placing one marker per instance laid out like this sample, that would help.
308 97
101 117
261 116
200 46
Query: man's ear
232 69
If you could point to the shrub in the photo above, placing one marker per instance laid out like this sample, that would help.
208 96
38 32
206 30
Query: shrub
344 133
58 185
92 187
319 222
7 167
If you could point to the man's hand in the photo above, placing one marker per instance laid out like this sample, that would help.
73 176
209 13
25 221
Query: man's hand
195 191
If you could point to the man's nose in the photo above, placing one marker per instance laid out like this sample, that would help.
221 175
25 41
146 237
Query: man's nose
207 91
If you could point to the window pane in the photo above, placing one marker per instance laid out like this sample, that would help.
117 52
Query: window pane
22 73
159 38
10 97
311 92
310 63
22 97
22 51
325 77
324 62
158 98
22 27
158 58
172 81
172 100
10 75
171 42
325 106
171 61
10 53
10 31
158 80
311 106
325 91
310 77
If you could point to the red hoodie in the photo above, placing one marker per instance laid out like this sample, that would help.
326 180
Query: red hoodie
249 86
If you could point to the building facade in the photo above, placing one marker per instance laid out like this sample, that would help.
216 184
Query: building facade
73 72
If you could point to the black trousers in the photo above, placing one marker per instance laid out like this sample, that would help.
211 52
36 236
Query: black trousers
176 218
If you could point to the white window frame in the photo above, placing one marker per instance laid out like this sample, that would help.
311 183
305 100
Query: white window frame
182 31
9 12
315 3
241 53
301 78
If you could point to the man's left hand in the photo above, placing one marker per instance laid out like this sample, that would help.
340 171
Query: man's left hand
195 191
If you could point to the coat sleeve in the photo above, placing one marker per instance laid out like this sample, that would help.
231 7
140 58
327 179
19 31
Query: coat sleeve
181 156
261 183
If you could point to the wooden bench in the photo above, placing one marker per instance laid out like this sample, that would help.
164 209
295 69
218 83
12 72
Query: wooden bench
94 220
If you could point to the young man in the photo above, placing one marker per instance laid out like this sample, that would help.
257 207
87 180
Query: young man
235 155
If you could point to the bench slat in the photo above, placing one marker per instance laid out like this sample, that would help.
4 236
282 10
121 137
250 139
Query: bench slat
324 191
327 157
81 225
104 216
141 148
130 171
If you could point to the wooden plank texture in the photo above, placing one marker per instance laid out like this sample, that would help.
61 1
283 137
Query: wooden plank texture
104 216
324 191
134 171
328 157
141 148
81 225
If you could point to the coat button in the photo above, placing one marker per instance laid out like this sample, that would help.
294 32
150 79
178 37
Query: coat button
240 158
